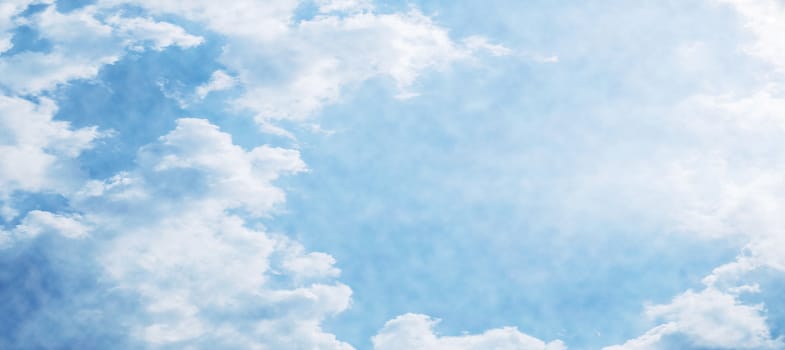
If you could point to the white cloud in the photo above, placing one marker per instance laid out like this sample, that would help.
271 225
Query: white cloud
651 340
415 332
9 9
219 80
732 185
243 18
754 120
329 54
172 232
766 20
205 278
81 44
36 152
295 260
175 233
718 194
707 319
196 151
715 319
38 222
161 34
728 181
203 274
313 61
478 43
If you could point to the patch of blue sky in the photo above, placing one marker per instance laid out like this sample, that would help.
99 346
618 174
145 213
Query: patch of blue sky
25 39
24 201
70 5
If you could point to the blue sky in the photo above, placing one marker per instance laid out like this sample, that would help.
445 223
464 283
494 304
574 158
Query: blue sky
357 174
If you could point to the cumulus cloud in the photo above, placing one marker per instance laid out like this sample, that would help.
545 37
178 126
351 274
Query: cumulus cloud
235 179
160 34
330 54
316 59
415 332
168 237
708 319
81 44
206 276
177 236
36 152
171 241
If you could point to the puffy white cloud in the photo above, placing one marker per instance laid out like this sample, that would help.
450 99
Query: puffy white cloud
81 44
331 53
207 279
204 276
196 167
161 34
219 80
225 172
305 265
174 234
707 319
312 61
415 332
36 152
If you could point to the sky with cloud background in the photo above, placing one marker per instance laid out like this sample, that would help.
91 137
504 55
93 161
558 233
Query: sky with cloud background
392 175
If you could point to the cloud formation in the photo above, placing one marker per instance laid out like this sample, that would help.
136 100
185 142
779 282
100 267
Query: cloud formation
315 59
81 43
38 153
723 196
175 242
197 260
415 332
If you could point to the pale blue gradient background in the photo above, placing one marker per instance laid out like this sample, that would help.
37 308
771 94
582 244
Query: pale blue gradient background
460 203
